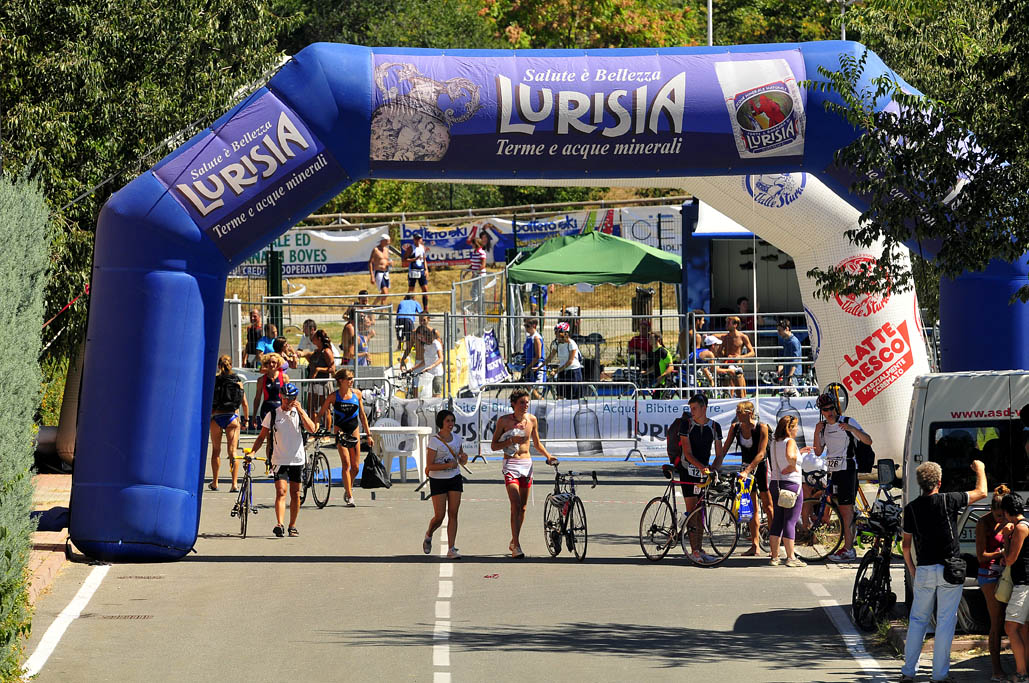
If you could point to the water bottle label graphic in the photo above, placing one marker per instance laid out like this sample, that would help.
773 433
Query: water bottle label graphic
765 106
786 408
587 431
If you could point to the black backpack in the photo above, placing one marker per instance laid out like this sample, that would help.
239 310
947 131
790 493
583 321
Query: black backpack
228 393
864 455
672 445
374 474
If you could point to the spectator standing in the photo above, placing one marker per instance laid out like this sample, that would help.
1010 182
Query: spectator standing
929 522
569 367
417 262
753 438
290 357
228 398
305 343
349 337
254 333
743 311
378 268
321 363
989 549
1016 556
538 296
786 476
407 312
836 435
288 455
735 345
430 367
535 369
445 455
641 345
790 350
477 264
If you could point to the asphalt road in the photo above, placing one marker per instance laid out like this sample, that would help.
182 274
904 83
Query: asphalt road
353 599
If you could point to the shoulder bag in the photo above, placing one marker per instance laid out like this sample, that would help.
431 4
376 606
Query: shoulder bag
954 567
787 499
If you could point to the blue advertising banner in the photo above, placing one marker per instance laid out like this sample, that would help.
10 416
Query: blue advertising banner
599 113
255 171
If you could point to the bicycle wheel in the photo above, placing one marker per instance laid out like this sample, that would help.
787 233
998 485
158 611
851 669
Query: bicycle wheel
577 537
321 480
244 506
305 480
552 526
872 598
718 533
824 536
658 529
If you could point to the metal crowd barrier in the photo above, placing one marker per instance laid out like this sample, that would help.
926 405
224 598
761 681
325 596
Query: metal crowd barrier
577 418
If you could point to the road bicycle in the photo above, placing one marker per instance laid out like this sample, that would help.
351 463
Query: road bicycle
873 595
245 500
564 517
316 475
819 532
711 527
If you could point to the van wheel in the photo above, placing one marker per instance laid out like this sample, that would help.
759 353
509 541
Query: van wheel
973 616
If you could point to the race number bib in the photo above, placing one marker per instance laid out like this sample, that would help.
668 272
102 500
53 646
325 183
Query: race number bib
835 464
693 471
415 273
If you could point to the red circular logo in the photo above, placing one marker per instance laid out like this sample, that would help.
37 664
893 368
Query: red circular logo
860 305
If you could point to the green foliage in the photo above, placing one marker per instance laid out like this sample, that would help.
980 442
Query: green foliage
55 371
738 22
968 57
92 89
23 267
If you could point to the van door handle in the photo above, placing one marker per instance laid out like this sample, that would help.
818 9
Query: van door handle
917 457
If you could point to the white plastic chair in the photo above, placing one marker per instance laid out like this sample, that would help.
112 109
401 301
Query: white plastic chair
393 445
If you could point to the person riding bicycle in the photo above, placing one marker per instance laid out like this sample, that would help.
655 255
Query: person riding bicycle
695 465
837 435
346 405
288 456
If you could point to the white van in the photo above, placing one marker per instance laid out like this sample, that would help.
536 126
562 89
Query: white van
958 417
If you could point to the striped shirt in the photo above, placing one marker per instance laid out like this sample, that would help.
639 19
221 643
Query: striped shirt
478 262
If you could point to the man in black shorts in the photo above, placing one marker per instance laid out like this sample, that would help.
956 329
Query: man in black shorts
284 424
696 441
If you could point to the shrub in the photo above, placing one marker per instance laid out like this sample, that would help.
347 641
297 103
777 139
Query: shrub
23 270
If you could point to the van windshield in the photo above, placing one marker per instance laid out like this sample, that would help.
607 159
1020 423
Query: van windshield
1000 444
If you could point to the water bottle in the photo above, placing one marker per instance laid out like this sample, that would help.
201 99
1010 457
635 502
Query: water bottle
539 411
587 430
786 408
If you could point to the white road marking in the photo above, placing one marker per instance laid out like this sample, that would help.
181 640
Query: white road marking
49 641
446 589
442 609
852 639
446 570
441 629
819 590
441 655
441 677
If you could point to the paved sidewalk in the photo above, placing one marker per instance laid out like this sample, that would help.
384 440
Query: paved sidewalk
46 557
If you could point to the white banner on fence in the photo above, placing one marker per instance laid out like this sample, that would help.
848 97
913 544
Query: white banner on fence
568 427
314 253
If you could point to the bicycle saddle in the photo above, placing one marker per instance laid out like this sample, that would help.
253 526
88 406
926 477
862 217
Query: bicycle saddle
668 470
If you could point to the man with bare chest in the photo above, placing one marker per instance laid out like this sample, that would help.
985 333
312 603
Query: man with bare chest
735 344
378 268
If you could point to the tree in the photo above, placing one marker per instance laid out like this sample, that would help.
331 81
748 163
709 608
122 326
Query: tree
964 134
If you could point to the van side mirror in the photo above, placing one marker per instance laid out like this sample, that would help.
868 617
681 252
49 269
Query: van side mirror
887 471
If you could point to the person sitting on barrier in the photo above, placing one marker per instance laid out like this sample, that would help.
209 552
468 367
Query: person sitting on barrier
734 345
267 395
407 311
786 477
569 367
512 434
444 456
287 454
345 408
989 549
704 359
321 363
535 370
290 358
696 443
752 436
430 368
228 398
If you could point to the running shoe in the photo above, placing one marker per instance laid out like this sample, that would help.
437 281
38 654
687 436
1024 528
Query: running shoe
279 530
795 562
775 562
427 545
700 557
348 501
843 555
516 552
452 554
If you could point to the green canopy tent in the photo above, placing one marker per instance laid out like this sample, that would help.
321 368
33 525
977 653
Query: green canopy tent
596 258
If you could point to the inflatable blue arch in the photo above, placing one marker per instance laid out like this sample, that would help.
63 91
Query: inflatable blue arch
336 114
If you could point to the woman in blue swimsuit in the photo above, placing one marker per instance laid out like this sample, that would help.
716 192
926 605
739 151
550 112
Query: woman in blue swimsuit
347 409
224 421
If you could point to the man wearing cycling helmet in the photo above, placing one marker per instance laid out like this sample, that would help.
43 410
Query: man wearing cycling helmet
695 464
284 423
837 435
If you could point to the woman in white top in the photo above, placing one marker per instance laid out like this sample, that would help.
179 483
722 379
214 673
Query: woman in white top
430 368
445 456
784 471
569 365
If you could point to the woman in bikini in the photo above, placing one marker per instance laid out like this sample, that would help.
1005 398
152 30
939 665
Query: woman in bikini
347 409
512 435
224 420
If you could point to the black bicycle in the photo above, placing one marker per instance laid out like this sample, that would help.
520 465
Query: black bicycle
245 500
873 596
317 476
564 517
